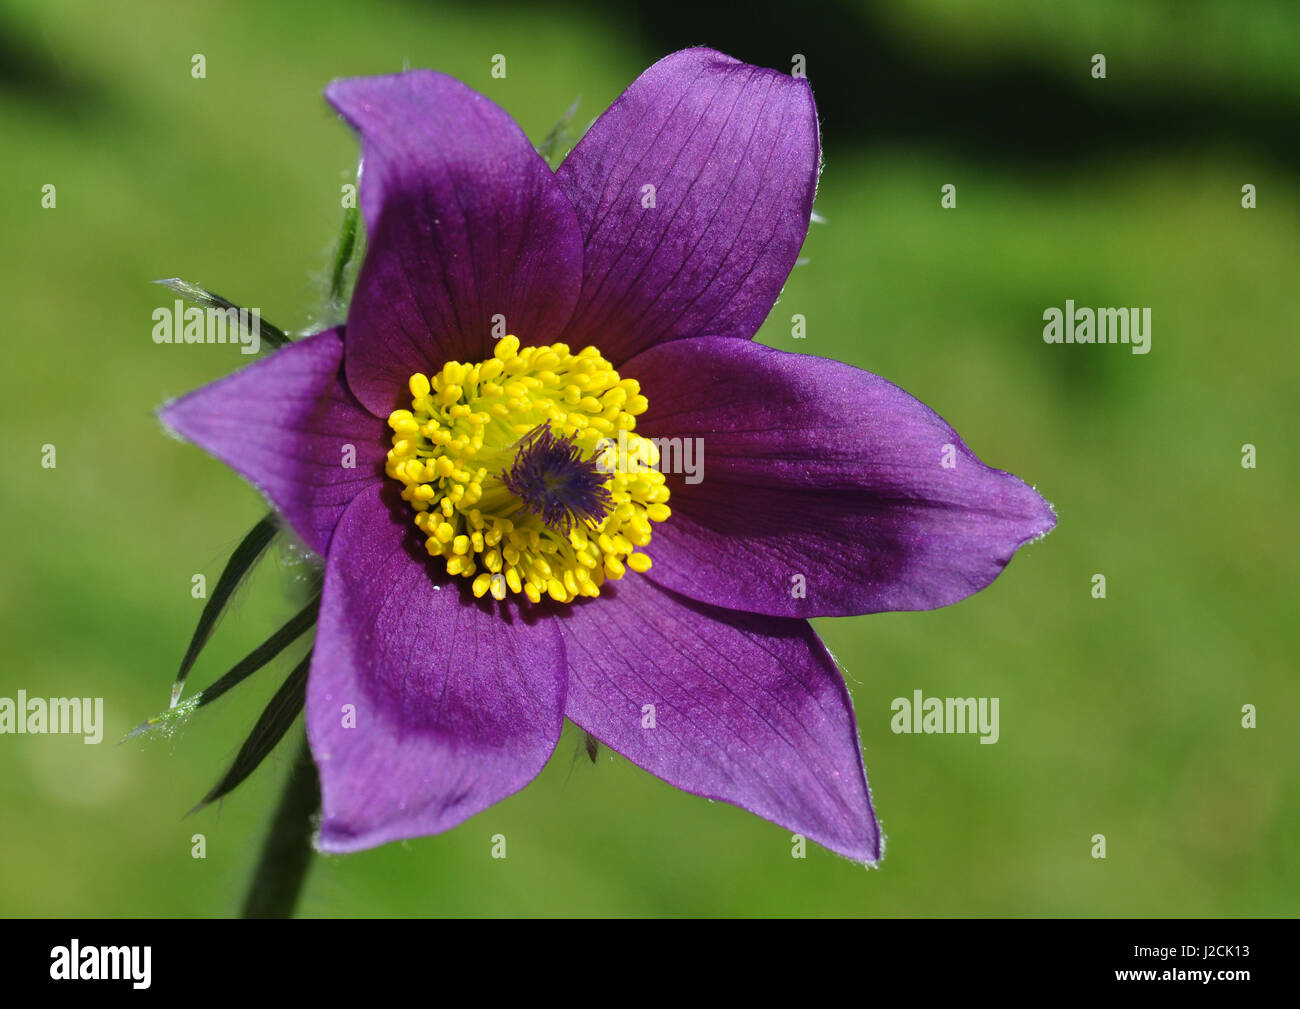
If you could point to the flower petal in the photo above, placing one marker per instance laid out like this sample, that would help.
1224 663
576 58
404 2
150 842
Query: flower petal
732 153
457 702
824 489
290 426
465 223
747 709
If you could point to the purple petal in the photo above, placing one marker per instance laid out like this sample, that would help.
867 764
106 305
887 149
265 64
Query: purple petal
750 710
457 703
732 153
824 489
290 426
465 223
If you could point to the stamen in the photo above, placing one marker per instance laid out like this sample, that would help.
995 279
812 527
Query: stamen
511 465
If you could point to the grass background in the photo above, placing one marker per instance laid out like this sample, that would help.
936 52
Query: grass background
1119 717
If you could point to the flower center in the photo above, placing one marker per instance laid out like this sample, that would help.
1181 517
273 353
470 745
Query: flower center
512 467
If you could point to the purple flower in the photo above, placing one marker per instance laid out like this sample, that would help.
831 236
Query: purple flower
487 557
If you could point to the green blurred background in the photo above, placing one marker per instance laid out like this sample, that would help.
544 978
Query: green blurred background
1119 716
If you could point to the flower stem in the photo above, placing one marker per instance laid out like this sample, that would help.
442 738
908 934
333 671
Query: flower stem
286 852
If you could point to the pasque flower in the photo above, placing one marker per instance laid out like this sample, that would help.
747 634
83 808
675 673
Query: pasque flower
488 554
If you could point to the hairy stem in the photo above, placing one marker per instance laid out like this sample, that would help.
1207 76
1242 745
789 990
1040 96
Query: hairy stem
286 852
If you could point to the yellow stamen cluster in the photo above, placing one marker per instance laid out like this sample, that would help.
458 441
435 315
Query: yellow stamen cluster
463 432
